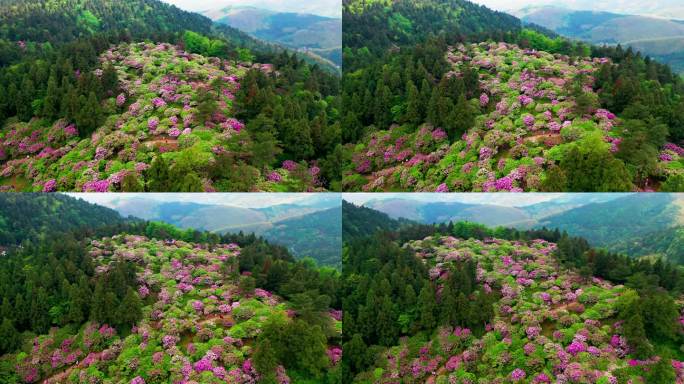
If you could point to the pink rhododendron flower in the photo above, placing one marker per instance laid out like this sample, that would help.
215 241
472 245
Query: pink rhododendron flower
174 132
517 374
153 123
289 165
71 130
484 100
49 186
120 100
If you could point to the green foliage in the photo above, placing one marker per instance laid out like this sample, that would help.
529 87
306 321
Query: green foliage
197 43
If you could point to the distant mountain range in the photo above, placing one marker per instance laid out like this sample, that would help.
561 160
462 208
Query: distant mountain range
660 38
316 35
312 229
488 214
317 235
636 224
666 9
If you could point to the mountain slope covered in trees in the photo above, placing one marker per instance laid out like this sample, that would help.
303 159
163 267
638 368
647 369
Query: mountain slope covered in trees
94 109
486 105
148 302
359 221
310 230
29 216
639 225
504 305
314 34
316 235
657 37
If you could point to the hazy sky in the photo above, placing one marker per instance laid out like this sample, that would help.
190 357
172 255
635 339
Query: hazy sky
329 8
659 8
504 199
245 200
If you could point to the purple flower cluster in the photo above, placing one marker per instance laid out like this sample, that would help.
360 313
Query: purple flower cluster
484 100
96 186
49 186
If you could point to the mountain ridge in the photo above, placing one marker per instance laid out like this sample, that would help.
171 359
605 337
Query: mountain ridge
646 33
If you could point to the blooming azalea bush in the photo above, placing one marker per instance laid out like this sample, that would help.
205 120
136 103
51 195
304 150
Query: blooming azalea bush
159 113
550 324
198 326
528 120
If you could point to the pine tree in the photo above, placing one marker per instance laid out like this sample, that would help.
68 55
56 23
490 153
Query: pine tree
433 109
409 299
110 81
297 139
99 306
6 311
428 308
40 306
356 354
51 103
386 322
383 106
449 307
9 337
70 105
413 105
89 116
462 118
130 310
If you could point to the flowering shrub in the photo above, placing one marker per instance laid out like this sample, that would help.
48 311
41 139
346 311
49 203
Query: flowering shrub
157 114
529 120
533 338
198 325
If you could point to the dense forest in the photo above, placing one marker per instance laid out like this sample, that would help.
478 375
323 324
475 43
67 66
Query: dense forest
317 235
359 221
462 301
135 301
31 215
141 96
451 96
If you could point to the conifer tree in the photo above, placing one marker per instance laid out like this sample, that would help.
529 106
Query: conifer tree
51 103
413 104
428 307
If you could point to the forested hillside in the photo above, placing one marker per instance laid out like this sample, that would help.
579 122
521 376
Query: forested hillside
658 37
147 302
203 108
29 216
464 302
317 236
316 35
461 98
359 221
638 225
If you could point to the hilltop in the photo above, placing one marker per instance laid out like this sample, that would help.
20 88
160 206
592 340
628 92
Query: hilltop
131 301
454 97
658 37
506 305
91 109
